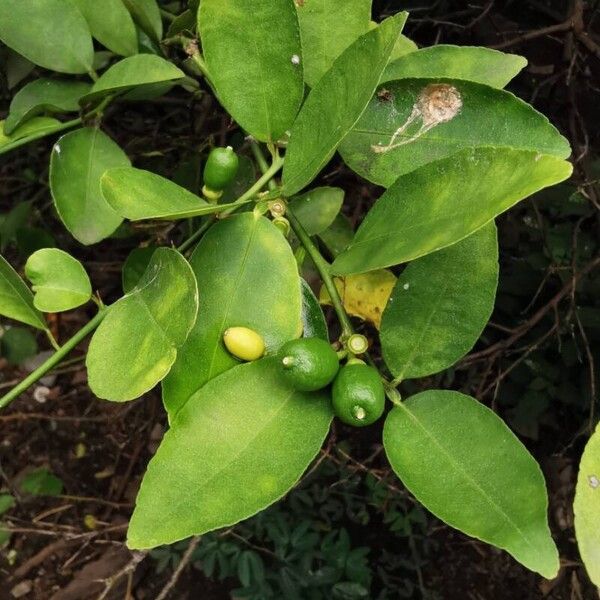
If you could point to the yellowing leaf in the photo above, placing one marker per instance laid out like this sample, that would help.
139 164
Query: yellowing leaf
365 295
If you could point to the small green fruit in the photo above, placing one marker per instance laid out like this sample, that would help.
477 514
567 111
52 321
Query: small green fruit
308 364
358 395
219 171
244 343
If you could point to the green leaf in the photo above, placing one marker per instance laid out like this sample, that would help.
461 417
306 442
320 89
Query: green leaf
44 95
30 239
34 126
41 482
248 277
77 162
313 319
18 344
50 33
186 21
317 209
440 305
12 222
6 503
587 507
327 28
404 127
471 63
16 299
136 194
336 103
463 463
239 444
137 342
146 14
16 67
59 281
251 50
403 46
131 72
443 202
338 236
135 266
111 24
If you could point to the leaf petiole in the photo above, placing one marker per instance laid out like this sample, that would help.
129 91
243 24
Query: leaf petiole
53 360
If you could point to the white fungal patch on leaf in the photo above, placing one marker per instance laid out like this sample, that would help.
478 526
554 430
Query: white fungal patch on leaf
295 59
437 103
594 482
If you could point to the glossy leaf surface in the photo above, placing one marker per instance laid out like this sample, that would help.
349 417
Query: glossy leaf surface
471 63
34 126
247 277
318 20
16 299
146 13
443 202
135 266
77 163
336 103
253 54
461 461
131 72
587 507
58 280
417 121
136 194
313 319
440 306
317 209
44 95
136 344
239 444
50 33
111 24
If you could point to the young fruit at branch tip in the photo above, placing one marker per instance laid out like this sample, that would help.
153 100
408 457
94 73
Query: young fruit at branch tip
244 343
308 364
219 171
358 395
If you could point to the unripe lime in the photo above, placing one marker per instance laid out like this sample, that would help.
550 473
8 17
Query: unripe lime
358 395
244 343
220 169
308 364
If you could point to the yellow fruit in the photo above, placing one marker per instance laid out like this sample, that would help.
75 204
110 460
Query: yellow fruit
244 343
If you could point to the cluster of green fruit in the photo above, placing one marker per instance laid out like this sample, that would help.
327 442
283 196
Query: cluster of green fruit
311 364
307 364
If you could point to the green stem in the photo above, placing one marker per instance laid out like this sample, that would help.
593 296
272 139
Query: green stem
98 110
323 268
195 236
54 360
251 192
52 339
321 264
165 14
226 209
262 162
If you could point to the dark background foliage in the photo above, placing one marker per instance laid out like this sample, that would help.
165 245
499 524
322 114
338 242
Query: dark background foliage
349 530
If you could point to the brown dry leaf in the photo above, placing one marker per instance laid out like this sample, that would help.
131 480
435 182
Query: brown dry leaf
364 295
